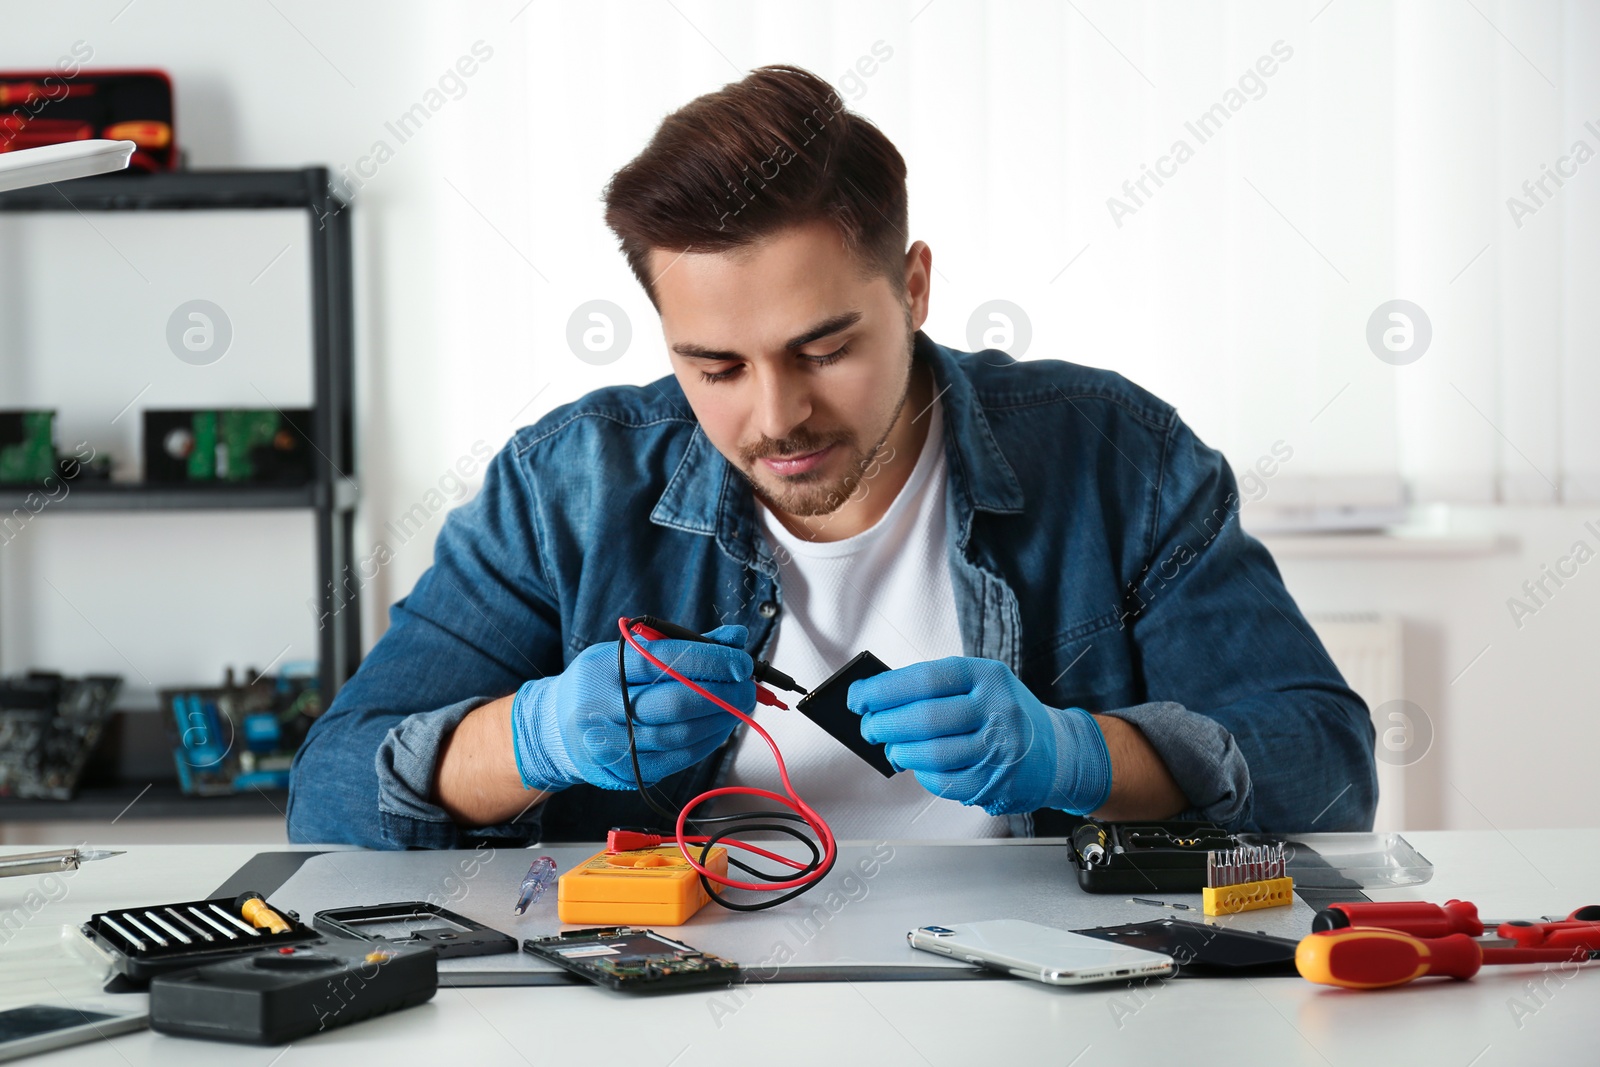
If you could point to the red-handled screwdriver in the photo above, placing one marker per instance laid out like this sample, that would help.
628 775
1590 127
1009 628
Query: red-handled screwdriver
1421 919
1415 917
1363 957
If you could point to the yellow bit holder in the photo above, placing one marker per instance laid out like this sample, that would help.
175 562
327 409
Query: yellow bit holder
1247 896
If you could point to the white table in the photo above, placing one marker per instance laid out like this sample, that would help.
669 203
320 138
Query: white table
1277 1022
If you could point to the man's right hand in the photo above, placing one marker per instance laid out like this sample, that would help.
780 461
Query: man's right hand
571 729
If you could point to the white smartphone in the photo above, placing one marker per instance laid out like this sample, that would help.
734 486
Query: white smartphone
42 1027
1042 953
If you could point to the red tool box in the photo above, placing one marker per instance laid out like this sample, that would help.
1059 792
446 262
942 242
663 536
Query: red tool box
41 107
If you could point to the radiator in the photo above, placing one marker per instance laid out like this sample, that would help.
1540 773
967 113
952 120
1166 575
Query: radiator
1369 649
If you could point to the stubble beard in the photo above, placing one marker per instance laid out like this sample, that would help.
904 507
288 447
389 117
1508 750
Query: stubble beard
812 494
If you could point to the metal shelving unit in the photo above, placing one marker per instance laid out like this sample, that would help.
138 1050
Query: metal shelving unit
332 493
161 800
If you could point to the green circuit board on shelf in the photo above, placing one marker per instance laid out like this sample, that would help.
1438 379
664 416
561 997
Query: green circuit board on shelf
27 447
239 432
230 445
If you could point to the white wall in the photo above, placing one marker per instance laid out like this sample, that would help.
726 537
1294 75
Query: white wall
1513 709
464 287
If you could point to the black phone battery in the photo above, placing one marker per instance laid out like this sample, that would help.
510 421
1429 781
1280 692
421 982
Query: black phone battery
825 705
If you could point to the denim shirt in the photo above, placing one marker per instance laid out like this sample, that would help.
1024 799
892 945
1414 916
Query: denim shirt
1095 549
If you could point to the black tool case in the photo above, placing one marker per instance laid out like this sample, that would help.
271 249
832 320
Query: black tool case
139 955
1151 857
269 998
1170 856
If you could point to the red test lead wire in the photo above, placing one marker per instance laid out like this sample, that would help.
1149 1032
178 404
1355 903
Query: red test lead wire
791 801
633 840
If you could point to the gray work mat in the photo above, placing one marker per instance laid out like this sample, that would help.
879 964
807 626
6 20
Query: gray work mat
852 926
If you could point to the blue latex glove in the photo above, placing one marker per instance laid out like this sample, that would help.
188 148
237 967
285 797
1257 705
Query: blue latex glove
571 728
972 732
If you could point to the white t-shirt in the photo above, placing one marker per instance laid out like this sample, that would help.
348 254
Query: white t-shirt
886 590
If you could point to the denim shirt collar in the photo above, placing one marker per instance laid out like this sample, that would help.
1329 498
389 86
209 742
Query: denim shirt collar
707 495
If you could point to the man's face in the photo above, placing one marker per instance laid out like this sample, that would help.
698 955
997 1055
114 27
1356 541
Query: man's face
796 366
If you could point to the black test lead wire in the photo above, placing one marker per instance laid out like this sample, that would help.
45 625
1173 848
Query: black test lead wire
806 874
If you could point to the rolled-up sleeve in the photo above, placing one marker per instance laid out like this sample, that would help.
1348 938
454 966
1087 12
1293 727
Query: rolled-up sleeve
480 622
1202 757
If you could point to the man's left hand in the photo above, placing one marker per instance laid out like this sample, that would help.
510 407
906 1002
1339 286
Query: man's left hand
972 732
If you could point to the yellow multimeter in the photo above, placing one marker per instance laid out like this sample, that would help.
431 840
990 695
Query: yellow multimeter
647 886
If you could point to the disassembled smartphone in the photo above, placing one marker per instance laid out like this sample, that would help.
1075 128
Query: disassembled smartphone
1042 953
631 959
416 922
1201 950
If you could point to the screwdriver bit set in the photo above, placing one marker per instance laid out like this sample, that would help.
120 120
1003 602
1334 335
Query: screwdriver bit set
1246 878
147 941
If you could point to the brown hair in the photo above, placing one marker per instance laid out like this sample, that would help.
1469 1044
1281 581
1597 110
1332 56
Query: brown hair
773 150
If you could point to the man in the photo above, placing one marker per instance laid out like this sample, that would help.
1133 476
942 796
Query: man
1046 555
